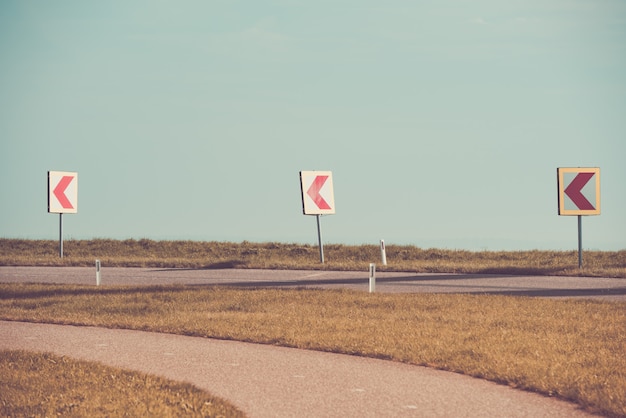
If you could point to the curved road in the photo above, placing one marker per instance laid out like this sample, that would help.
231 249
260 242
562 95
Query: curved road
390 282
268 381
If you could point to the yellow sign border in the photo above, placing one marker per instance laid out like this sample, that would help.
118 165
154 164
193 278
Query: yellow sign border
561 187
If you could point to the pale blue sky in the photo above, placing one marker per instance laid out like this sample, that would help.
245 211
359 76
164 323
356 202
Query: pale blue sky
443 122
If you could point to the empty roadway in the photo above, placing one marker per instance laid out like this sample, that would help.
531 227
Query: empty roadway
392 282
268 381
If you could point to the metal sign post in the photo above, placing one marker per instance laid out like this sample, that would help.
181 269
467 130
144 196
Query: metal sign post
319 238
580 241
61 235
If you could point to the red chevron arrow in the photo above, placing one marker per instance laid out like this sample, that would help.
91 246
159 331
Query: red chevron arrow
59 192
573 191
314 192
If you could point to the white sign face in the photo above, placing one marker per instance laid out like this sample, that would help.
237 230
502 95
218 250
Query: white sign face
317 192
62 192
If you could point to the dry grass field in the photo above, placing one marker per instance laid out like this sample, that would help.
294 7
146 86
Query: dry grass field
119 393
192 254
572 349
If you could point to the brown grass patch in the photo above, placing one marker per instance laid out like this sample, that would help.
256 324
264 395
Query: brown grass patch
45 385
573 349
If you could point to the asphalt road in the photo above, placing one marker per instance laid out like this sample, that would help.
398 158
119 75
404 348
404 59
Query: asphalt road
268 381
540 286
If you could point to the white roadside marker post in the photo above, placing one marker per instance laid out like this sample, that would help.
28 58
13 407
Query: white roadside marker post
97 272
383 252
372 277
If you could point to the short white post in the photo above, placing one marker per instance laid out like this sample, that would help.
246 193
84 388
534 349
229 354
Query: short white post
97 272
383 252
372 277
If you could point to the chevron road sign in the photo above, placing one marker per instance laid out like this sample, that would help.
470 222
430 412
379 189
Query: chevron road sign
62 192
317 198
579 194
62 197
317 192
579 191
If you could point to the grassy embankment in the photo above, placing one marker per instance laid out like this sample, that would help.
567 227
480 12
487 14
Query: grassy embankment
192 254
572 349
